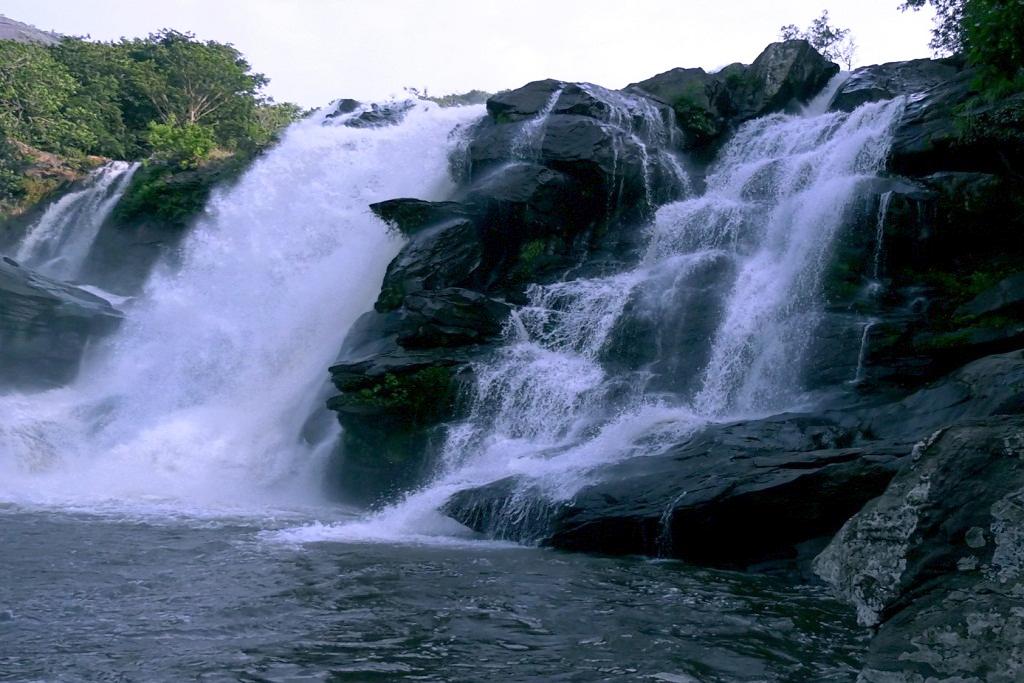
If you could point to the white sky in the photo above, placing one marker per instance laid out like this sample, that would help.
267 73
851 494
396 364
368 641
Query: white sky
315 51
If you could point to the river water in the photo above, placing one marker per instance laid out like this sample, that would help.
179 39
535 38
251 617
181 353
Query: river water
145 597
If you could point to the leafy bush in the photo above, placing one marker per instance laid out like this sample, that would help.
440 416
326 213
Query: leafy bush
186 146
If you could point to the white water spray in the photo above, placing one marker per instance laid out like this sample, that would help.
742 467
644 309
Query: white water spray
201 397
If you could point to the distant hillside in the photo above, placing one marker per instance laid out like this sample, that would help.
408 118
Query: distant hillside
25 33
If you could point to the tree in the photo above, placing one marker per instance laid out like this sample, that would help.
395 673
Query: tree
193 82
833 42
34 91
989 33
948 33
97 103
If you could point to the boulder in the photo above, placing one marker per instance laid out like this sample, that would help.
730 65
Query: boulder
45 326
344 106
893 79
938 559
783 74
451 317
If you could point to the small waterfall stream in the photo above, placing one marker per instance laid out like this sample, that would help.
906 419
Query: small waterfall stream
742 264
59 242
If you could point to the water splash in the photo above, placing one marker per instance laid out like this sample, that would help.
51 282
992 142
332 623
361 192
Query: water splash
59 242
203 394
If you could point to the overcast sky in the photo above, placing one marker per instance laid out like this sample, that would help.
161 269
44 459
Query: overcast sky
318 50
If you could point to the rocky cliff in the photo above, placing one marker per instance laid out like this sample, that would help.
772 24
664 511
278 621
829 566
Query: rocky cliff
900 481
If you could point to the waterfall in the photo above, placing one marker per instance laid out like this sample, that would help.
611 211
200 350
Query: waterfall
728 291
59 242
203 394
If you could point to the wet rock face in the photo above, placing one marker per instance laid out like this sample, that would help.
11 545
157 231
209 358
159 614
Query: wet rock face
938 559
921 282
45 326
773 488
733 495
556 172
707 106
886 81
948 128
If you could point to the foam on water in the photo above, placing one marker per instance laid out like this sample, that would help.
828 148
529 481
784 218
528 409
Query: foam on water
203 397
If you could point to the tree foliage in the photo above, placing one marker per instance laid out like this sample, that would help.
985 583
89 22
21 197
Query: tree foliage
833 42
166 95
34 93
989 33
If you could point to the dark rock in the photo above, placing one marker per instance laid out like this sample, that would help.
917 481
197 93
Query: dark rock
949 128
389 114
389 426
45 327
669 323
1007 293
897 306
767 486
527 212
452 317
446 254
985 387
411 215
522 103
702 102
399 374
886 81
938 559
344 106
783 74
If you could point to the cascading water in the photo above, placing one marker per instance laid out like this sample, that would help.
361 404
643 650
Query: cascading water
203 393
59 242
742 263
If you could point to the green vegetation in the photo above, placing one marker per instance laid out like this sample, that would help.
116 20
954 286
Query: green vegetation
168 98
833 42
